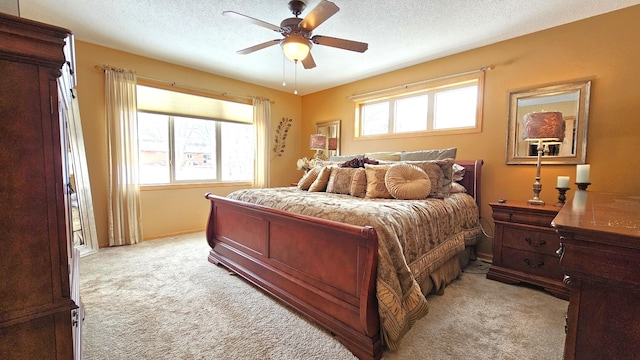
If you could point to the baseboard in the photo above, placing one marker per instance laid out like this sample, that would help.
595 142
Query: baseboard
488 258
155 237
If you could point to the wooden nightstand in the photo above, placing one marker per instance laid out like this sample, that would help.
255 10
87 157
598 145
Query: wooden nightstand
524 246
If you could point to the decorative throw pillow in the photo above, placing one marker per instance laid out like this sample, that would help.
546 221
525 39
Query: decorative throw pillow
376 187
308 178
439 188
320 183
359 183
340 180
358 162
407 182
447 170
436 177
457 188
458 172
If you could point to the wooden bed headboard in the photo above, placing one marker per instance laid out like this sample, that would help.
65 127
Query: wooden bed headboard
472 177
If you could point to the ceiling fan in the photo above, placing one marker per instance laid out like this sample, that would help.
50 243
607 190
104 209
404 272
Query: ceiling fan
297 39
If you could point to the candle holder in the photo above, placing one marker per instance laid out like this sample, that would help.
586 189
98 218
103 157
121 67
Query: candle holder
561 196
583 186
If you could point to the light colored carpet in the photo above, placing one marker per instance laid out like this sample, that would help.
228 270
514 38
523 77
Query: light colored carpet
162 299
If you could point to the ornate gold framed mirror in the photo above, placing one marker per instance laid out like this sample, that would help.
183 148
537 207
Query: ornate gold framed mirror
572 100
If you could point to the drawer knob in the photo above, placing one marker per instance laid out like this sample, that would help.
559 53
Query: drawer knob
535 244
534 265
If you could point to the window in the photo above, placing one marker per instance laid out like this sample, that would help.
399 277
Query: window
174 148
452 106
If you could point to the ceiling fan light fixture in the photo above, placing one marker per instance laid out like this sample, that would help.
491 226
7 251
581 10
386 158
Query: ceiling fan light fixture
295 48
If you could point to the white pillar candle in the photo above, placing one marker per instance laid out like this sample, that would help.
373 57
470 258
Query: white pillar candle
563 182
582 173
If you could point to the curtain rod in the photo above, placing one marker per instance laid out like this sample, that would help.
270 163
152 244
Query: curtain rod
404 86
187 87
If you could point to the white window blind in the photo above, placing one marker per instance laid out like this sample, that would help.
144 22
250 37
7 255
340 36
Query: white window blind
163 101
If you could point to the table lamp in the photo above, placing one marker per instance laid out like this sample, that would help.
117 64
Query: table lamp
542 127
318 143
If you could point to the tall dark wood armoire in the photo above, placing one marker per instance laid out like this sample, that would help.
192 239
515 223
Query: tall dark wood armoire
35 303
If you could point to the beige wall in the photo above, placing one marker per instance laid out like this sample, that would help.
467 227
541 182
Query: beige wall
602 49
178 210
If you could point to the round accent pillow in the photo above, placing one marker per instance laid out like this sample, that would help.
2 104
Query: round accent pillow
407 182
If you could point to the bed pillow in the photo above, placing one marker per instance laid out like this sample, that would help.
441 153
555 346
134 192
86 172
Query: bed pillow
384 155
407 182
376 188
340 180
320 184
359 183
343 158
308 178
322 163
437 154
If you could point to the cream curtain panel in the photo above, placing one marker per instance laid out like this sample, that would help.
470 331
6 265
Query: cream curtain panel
262 124
125 226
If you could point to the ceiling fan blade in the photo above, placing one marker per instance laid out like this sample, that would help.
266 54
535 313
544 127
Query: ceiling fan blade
254 21
340 43
308 62
319 14
258 47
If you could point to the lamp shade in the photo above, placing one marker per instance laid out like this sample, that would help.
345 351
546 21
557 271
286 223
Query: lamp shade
318 142
295 48
333 144
543 126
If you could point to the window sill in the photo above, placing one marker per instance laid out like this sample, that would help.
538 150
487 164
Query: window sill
468 130
193 186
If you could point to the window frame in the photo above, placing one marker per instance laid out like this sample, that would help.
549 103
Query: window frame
173 183
429 87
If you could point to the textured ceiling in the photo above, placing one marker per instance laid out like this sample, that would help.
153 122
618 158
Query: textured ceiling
195 34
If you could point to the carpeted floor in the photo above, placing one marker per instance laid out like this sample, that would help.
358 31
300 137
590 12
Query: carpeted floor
162 299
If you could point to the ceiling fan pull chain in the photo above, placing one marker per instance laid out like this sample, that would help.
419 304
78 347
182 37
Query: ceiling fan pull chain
284 83
295 71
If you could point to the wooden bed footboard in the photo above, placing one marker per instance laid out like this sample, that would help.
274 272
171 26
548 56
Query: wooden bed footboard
324 269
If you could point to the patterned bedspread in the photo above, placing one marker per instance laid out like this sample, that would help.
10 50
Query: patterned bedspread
415 237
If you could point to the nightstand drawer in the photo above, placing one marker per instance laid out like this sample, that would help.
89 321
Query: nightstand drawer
519 217
532 263
531 240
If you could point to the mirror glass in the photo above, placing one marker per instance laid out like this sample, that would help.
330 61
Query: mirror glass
83 228
572 100
330 129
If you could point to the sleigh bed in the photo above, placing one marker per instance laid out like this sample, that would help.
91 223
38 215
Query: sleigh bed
312 252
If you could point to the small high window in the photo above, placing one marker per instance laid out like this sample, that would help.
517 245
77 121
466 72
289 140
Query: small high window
453 105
